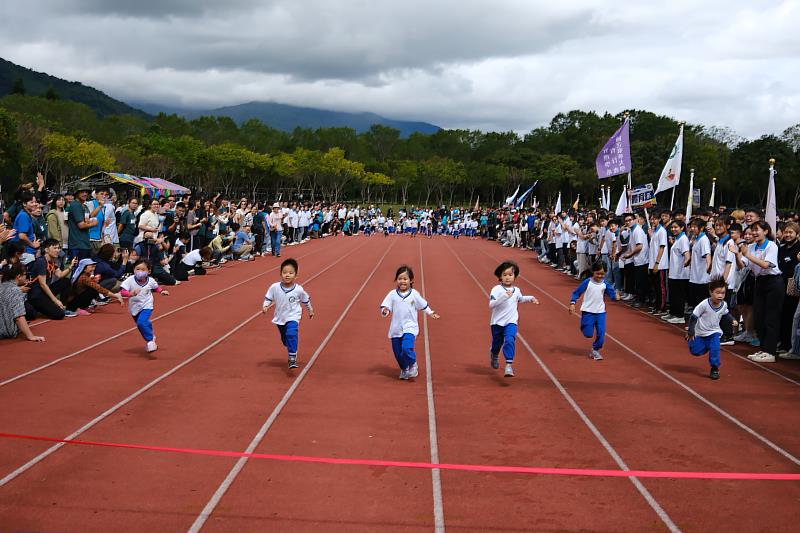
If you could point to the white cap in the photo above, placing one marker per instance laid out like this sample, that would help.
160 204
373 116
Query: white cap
276 204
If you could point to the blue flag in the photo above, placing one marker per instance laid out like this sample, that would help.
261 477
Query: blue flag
525 194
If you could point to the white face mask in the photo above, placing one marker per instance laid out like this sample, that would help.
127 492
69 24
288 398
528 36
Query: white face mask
140 276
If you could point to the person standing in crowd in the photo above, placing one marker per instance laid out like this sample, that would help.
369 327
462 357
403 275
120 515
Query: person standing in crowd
787 261
96 211
79 221
680 257
762 257
275 222
110 234
700 266
56 218
658 263
24 224
127 225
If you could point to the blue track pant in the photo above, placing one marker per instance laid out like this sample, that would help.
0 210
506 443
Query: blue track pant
403 348
142 320
591 323
710 345
289 336
505 336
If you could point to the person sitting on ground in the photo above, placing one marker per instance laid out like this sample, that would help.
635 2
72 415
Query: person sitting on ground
12 304
109 270
243 244
193 261
85 288
52 285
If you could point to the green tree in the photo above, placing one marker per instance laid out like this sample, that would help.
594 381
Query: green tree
18 87
51 93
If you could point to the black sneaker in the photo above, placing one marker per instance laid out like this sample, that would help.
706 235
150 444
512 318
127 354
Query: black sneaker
714 374
727 341
292 362
495 360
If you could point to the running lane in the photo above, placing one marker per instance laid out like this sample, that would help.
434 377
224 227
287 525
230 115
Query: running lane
657 425
352 405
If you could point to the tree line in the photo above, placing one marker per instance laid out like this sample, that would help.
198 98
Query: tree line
66 140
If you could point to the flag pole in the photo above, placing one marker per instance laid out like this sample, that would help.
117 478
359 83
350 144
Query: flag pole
771 213
691 196
672 200
713 191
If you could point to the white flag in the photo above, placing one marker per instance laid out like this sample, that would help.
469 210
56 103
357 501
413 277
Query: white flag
691 198
713 192
558 204
608 198
771 214
510 199
622 205
671 175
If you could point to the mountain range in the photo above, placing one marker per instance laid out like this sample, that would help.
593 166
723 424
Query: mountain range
279 116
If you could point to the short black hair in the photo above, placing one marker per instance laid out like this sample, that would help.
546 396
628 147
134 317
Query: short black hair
505 265
50 242
405 269
717 282
290 262
736 227
597 266
145 262
12 271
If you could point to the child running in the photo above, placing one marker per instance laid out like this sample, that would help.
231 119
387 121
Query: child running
503 302
139 290
593 308
287 296
704 330
403 303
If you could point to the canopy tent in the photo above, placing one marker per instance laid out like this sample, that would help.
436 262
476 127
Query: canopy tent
154 187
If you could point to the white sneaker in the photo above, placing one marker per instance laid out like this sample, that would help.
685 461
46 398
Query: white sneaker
677 320
151 346
177 282
763 357
509 371
413 371
743 337
789 355
755 355
404 374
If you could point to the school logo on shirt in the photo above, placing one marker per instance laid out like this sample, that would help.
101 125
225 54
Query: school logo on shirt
292 299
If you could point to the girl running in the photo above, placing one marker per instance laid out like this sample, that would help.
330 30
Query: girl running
287 296
139 290
503 302
403 303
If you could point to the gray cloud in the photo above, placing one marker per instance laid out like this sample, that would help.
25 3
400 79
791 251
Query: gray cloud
491 65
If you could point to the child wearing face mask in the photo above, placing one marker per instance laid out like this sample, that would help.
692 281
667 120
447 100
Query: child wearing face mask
139 290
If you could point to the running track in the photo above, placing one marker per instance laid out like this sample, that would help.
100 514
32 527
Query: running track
220 383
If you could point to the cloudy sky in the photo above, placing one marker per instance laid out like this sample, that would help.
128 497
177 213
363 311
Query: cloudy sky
490 65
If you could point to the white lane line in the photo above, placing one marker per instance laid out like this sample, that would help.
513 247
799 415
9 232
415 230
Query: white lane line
121 333
262 432
436 476
39 458
681 384
651 501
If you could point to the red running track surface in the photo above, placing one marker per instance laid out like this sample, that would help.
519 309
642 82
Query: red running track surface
349 404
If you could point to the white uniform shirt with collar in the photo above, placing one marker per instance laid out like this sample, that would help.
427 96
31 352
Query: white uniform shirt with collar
144 298
638 236
405 308
287 302
767 252
504 307
676 259
708 318
723 255
697 269
658 240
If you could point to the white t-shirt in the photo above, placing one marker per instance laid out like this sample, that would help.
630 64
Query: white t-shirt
110 218
192 258
593 295
769 253
503 307
144 299
723 255
150 220
697 269
287 302
658 240
676 259
404 308
638 236
708 318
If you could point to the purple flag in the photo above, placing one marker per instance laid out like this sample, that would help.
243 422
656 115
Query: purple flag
615 157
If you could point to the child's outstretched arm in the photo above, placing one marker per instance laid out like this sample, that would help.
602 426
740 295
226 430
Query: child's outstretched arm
267 304
310 309
528 299
610 291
